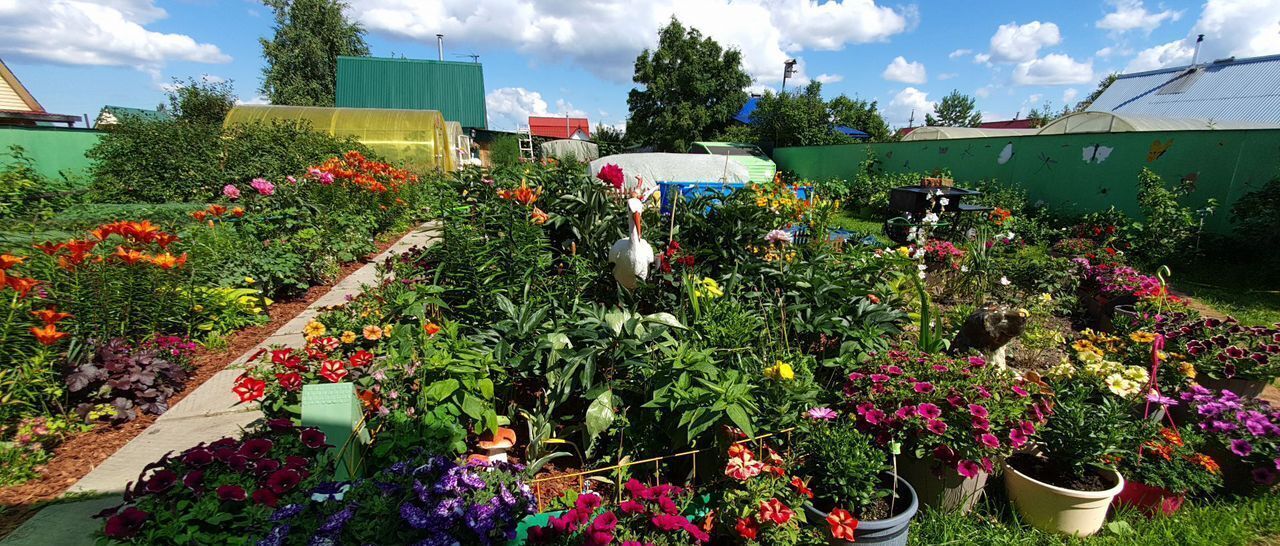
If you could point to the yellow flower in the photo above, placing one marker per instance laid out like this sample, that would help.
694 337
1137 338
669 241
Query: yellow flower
1142 337
386 330
904 252
1187 370
372 333
708 288
780 370
348 337
1083 346
1062 370
198 308
1046 297
1121 386
313 330
249 280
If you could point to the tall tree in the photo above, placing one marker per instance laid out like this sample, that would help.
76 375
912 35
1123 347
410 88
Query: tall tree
794 119
690 88
201 100
1043 115
302 57
609 139
1102 86
861 115
955 110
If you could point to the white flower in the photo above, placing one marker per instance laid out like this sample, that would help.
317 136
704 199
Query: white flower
1004 281
778 235
964 269
917 254
944 201
930 219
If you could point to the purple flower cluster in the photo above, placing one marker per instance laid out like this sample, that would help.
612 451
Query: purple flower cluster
1119 280
437 501
1249 428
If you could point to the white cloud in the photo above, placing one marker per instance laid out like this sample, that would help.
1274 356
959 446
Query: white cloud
606 36
1069 96
959 53
984 91
1132 15
828 78
946 76
1105 52
256 99
1020 43
982 58
102 33
900 70
1053 69
1241 28
510 107
906 102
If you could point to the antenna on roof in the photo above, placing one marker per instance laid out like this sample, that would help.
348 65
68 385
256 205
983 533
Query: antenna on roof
440 46
474 58
1196 56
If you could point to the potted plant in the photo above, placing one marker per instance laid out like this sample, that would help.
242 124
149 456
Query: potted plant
758 501
855 492
1226 354
1164 467
955 419
1068 486
1243 436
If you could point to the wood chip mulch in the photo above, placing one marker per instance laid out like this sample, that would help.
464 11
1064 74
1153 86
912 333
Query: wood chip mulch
81 453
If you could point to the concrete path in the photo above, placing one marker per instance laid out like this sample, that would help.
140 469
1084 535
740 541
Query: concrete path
206 414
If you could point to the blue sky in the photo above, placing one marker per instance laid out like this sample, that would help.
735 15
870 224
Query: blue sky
575 56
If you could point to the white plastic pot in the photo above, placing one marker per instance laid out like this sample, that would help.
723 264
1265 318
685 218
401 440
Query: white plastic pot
1057 509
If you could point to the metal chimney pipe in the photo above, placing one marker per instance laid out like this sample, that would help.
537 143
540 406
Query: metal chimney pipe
440 45
1196 56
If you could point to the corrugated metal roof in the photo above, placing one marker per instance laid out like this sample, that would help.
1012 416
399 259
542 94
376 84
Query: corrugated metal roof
557 127
455 89
1220 91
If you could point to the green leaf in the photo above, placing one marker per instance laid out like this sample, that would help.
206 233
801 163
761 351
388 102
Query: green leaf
486 387
473 407
440 390
615 320
600 415
740 418
665 318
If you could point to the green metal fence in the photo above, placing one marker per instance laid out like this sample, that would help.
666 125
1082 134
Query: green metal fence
1073 173
55 152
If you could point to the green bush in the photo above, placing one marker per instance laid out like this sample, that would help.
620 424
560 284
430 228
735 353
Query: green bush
1170 228
504 152
24 192
158 161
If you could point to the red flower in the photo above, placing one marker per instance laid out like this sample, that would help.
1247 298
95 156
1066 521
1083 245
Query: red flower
249 389
284 480
47 334
255 448
125 524
233 493
161 481
843 524
312 438
361 358
289 381
801 487
747 528
333 370
613 175
287 358
431 328
265 497
773 510
50 316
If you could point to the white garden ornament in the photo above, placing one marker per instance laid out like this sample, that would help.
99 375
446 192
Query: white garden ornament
633 256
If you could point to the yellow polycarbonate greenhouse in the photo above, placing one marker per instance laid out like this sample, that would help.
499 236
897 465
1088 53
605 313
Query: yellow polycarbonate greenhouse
415 139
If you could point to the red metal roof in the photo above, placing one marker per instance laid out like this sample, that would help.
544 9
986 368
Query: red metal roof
558 127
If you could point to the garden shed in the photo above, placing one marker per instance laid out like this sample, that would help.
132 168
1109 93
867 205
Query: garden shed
416 139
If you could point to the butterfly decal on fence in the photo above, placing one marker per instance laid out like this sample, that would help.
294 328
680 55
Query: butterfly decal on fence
1158 149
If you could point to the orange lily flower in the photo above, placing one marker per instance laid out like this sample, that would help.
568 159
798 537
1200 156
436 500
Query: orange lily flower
81 247
168 260
199 215
49 247
165 239
47 334
7 261
22 285
143 231
237 212
50 316
129 256
538 217
217 210
431 328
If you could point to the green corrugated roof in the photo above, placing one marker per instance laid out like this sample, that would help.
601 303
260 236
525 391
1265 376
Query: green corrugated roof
455 89
119 111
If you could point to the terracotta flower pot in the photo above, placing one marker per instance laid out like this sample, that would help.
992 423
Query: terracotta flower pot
1058 509
891 531
942 488
1148 499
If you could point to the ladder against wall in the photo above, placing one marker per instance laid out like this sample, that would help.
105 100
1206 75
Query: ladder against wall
526 142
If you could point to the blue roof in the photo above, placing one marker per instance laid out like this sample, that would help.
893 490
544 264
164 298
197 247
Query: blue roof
1223 90
744 115
851 132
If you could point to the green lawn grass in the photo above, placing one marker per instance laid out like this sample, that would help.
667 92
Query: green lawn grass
1228 522
1232 287
860 224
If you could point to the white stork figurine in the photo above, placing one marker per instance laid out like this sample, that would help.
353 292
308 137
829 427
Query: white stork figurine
631 257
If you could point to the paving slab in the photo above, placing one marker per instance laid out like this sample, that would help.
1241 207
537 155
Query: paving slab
52 525
206 414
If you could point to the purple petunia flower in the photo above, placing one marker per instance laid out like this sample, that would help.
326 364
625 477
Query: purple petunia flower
1241 447
415 517
287 512
929 411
